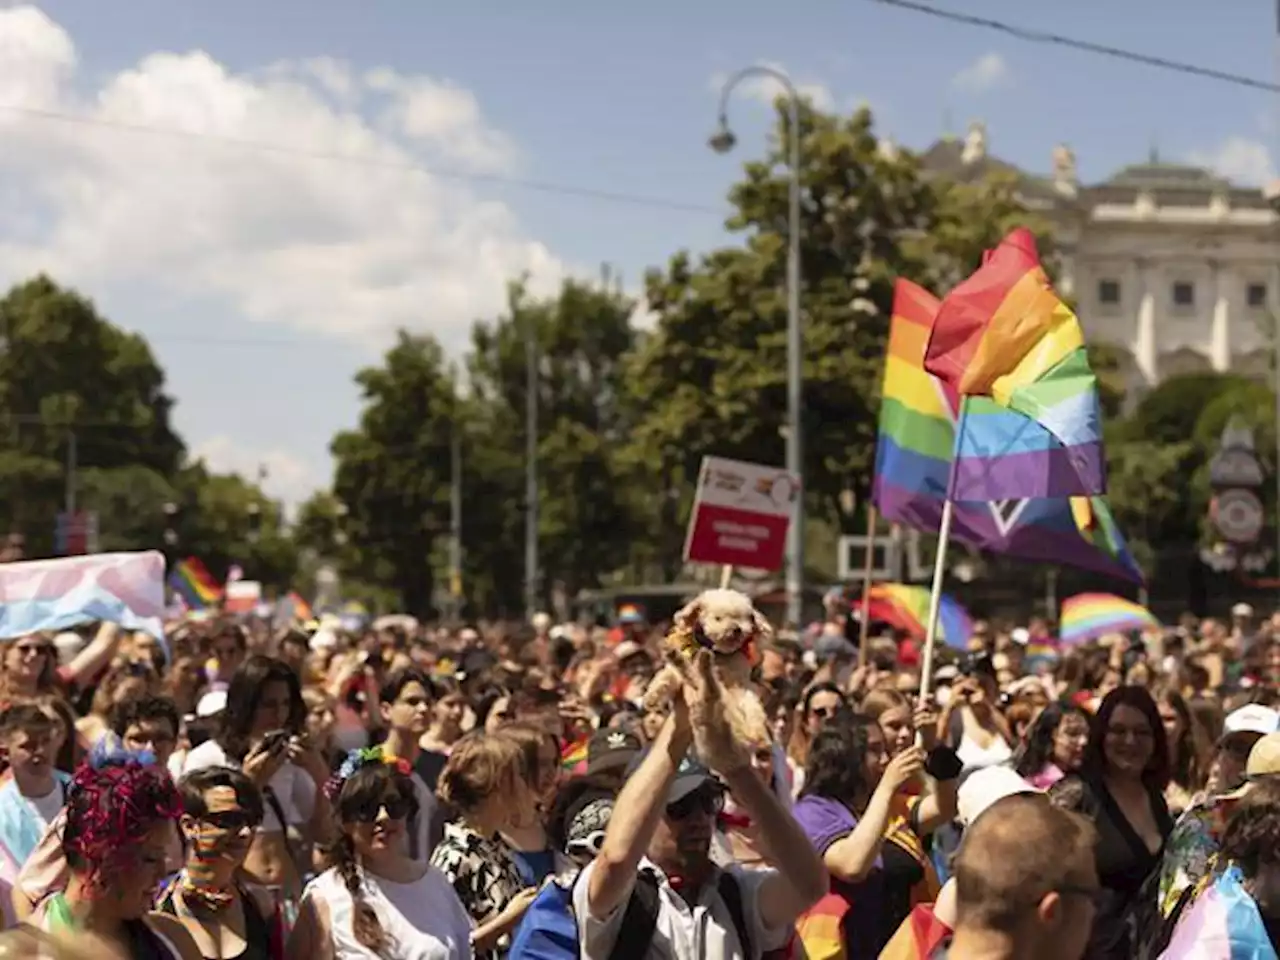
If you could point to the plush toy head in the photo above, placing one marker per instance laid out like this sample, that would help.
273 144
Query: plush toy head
724 622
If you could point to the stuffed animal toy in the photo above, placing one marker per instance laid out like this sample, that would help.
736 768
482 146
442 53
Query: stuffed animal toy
726 623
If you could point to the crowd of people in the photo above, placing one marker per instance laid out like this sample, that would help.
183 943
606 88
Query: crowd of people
244 792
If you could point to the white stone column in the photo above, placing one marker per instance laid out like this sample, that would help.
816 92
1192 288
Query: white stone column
1144 342
1220 329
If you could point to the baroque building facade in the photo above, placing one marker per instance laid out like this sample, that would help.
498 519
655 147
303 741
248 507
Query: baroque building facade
1174 265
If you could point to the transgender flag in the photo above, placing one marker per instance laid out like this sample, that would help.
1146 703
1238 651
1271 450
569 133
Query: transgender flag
1223 923
122 588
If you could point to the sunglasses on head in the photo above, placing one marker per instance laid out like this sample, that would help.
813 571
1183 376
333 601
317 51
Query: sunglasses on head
708 800
397 808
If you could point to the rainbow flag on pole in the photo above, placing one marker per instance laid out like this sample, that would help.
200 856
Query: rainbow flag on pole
190 580
906 608
918 422
1087 616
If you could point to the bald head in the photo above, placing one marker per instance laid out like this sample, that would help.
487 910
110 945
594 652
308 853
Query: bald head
1018 850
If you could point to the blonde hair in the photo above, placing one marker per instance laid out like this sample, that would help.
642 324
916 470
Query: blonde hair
481 766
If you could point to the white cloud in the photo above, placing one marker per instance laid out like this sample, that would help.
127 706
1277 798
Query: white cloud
985 73
288 478
1239 159
766 90
303 238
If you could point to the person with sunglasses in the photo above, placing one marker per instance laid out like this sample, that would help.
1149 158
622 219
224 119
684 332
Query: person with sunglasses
376 902
221 812
656 850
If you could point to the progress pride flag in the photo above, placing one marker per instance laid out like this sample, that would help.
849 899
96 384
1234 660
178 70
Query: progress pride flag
740 516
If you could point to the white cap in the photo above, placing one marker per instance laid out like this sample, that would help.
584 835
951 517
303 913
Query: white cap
1242 610
1020 636
542 622
984 787
468 635
212 703
323 639
1252 718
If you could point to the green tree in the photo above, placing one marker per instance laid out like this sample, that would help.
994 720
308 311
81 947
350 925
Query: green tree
64 371
711 379
393 470
585 520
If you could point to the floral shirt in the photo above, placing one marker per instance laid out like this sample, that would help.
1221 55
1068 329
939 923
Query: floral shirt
1192 849
483 873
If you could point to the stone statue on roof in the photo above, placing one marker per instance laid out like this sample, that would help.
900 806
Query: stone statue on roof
975 143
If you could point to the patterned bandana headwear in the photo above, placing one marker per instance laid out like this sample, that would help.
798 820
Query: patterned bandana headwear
586 830
357 759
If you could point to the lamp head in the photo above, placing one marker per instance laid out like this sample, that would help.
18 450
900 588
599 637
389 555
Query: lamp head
723 140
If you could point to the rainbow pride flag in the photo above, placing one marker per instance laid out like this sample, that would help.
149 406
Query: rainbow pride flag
821 928
190 580
919 936
906 607
1087 616
573 757
1004 334
918 417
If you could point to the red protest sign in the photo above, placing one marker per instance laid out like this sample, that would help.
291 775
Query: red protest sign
740 516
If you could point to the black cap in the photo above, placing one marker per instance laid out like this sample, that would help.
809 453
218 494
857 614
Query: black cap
690 775
611 749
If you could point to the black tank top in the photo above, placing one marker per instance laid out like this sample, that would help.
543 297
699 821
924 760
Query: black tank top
257 931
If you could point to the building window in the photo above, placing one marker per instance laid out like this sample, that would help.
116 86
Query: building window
1184 294
1256 295
1109 292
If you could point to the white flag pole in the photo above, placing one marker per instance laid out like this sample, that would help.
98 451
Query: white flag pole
940 564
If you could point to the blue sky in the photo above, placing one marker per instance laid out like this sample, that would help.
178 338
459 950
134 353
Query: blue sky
265 280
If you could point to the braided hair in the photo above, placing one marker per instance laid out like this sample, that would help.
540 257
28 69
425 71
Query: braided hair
361 792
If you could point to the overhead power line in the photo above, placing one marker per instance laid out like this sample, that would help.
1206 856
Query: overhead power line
261 146
1087 46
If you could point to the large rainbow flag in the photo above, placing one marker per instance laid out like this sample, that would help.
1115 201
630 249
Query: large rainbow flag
1004 334
918 417
1087 616
190 580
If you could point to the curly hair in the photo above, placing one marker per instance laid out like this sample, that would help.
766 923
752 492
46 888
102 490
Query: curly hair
364 788
1252 837
112 804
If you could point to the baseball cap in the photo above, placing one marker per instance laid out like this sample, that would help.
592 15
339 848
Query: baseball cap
627 649
1252 718
690 775
611 749
212 703
1242 610
1264 758
984 787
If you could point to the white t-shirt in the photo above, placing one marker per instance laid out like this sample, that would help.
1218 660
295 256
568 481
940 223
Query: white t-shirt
423 920
702 932
292 786
45 809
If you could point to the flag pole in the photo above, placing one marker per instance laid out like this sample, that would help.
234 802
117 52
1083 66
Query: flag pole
869 561
940 565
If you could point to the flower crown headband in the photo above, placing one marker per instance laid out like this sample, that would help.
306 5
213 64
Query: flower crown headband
357 760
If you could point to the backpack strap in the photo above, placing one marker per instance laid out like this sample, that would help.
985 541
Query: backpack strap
731 893
635 933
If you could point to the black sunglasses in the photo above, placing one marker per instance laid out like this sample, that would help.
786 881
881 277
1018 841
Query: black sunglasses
708 800
397 808
232 820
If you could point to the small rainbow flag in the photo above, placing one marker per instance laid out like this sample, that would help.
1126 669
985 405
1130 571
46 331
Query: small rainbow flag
573 757
919 937
905 607
301 609
1087 616
821 928
190 580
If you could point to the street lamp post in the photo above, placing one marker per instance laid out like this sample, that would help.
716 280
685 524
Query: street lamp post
723 141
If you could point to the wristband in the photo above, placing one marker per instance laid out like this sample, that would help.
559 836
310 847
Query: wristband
943 764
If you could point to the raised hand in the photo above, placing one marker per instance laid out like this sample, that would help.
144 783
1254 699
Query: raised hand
713 736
